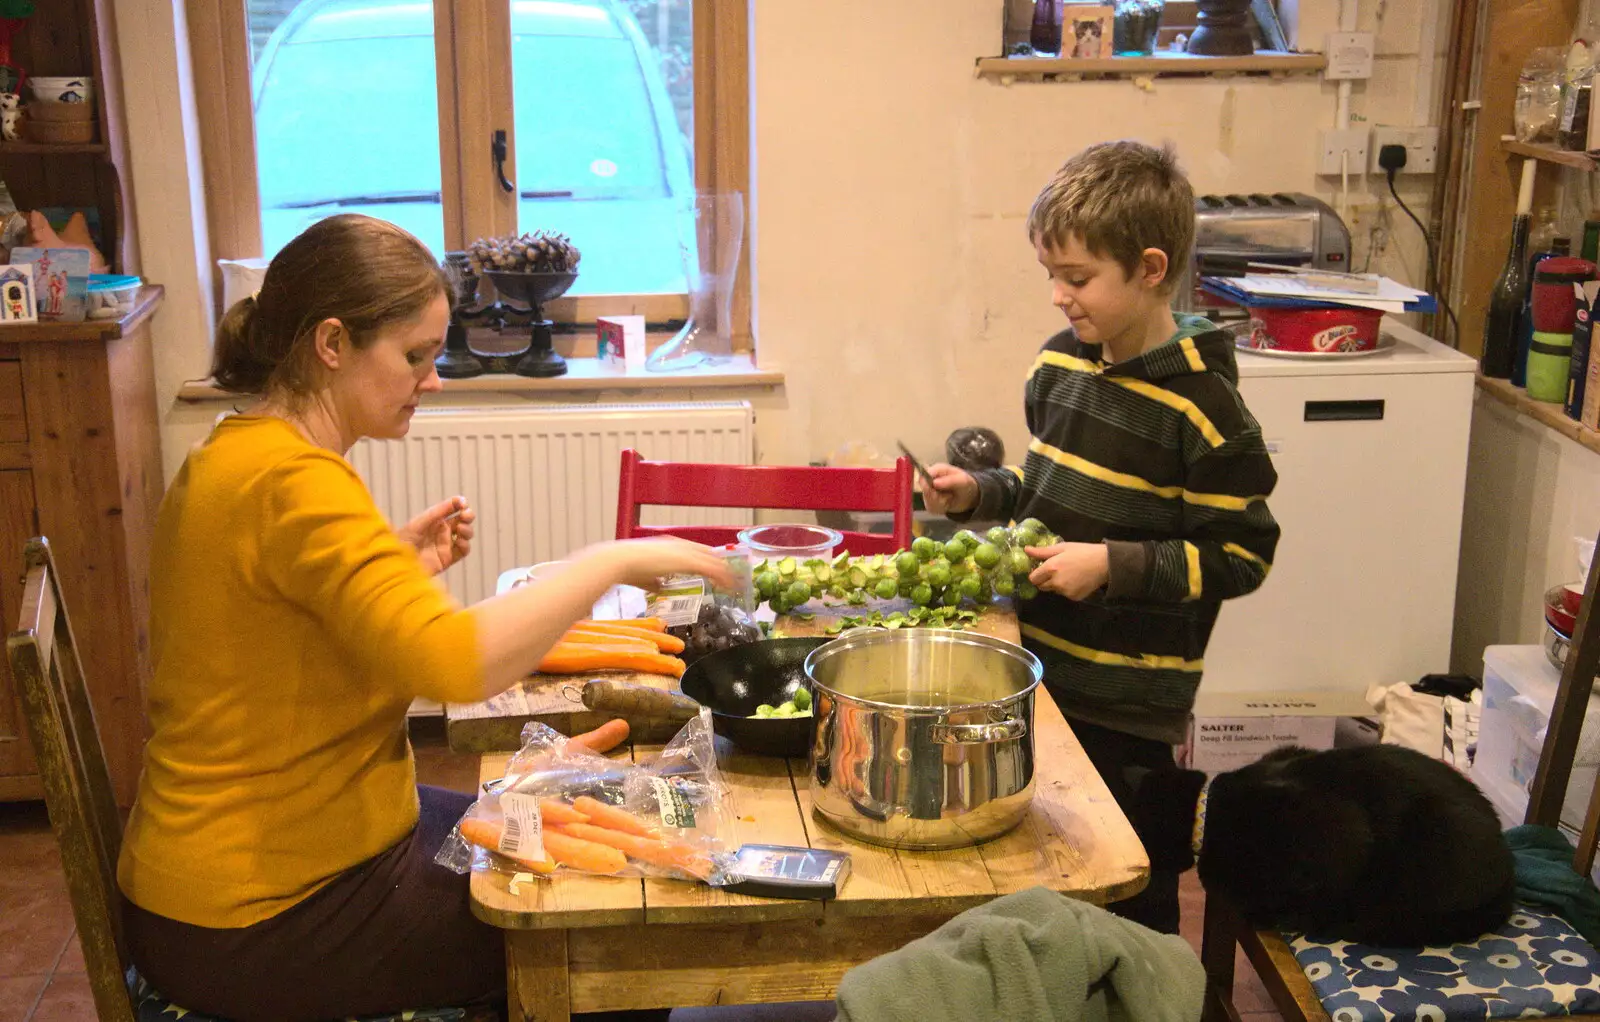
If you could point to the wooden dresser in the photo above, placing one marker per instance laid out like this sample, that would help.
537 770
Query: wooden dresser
80 463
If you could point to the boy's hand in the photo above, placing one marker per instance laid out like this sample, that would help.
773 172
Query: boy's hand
1075 570
950 492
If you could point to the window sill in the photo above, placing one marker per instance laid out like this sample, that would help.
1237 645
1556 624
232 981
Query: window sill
1551 415
1268 62
583 374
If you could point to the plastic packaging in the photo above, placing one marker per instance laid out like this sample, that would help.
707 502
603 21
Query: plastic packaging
706 617
563 808
1537 113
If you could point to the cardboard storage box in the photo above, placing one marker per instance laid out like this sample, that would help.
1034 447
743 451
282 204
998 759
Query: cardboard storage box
1234 729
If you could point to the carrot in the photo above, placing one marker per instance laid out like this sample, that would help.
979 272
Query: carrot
590 856
486 834
670 854
572 658
583 638
664 642
602 815
646 624
554 812
603 739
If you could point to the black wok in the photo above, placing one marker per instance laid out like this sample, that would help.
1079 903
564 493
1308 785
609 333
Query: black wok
733 682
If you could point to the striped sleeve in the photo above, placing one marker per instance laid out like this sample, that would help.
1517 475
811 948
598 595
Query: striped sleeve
998 489
1228 535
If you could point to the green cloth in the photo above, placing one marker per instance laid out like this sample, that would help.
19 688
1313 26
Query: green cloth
1033 956
1545 878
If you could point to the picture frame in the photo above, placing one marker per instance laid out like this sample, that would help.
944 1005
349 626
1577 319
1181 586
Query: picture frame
17 304
1086 31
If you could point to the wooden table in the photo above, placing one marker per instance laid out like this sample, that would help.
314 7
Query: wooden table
580 943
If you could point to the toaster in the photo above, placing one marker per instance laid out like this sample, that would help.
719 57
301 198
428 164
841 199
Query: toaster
1286 228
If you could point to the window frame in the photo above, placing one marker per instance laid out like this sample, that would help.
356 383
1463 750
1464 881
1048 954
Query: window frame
472 47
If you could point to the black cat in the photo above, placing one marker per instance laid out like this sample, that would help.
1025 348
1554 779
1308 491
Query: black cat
1378 844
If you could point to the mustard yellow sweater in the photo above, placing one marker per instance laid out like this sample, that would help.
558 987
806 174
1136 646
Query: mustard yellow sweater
290 630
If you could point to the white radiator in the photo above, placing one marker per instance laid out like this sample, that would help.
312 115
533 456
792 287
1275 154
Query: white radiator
543 478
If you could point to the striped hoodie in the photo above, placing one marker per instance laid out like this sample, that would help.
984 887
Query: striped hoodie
1158 458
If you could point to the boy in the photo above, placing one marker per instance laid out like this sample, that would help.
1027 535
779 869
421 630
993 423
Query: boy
1144 460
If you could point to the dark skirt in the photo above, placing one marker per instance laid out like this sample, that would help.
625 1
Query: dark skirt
395 933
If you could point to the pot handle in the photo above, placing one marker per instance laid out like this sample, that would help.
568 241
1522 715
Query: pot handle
979 734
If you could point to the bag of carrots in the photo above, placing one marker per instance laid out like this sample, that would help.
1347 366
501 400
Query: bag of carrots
562 807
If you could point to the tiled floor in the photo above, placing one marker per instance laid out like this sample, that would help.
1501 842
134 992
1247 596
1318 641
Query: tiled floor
41 965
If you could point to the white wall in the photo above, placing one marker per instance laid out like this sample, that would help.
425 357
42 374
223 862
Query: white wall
1530 493
895 285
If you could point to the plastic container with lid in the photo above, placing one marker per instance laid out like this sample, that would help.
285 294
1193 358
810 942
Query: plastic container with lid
111 295
802 542
1519 689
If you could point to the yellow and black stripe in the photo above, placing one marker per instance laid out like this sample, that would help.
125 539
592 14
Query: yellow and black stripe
1159 458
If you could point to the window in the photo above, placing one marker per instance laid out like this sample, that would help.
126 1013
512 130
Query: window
388 107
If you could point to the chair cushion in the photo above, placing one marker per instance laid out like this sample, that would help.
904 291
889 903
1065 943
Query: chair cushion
150 1006
1535 966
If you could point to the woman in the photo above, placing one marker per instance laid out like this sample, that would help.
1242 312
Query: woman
278 864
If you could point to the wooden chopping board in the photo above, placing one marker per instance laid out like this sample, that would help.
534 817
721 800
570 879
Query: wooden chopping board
495 725
998 620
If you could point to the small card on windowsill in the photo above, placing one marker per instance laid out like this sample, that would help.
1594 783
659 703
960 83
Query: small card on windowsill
782 871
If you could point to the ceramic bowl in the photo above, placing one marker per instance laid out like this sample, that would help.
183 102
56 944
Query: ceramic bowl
62 90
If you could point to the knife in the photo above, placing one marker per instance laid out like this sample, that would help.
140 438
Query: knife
915 464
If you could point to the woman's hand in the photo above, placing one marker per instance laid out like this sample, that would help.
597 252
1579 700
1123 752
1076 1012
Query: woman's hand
441 540
645 562
1075 570
951 491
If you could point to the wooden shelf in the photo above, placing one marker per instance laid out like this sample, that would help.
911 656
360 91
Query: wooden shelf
1548 154
583 374
51 149
144 305
1552 415
1162 63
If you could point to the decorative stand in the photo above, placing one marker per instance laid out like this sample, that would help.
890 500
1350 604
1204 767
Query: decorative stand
533 290
1222 30
457 362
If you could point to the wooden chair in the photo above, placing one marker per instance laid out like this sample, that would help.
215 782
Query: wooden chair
80 800
794 488
1283 975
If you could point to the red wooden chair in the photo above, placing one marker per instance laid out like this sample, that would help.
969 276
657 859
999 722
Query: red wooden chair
793 488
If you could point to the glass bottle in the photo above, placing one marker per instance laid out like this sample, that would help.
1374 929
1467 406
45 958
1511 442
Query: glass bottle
1045 36
1500 328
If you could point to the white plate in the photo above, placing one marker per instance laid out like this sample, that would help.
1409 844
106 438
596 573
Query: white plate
1384 346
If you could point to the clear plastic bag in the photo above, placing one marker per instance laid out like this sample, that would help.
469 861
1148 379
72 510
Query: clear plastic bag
669 817
1537 113
707 617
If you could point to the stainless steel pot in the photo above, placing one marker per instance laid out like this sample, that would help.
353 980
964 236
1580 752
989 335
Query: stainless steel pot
924 736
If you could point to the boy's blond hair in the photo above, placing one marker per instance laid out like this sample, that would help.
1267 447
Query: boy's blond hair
1120 198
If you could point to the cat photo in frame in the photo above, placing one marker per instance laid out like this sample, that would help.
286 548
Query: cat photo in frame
1086 31
17 304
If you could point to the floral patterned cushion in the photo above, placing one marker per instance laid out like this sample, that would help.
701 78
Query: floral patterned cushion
150 1006
1535 966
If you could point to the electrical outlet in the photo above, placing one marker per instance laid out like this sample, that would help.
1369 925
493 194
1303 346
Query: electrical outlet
1422 148
1332 146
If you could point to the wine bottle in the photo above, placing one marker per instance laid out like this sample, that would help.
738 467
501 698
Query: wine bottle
1502 329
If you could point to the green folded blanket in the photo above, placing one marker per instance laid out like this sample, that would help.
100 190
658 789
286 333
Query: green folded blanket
1545 878
1033 956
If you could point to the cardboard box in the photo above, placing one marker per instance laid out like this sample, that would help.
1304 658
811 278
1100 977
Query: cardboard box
619 342
1234 729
